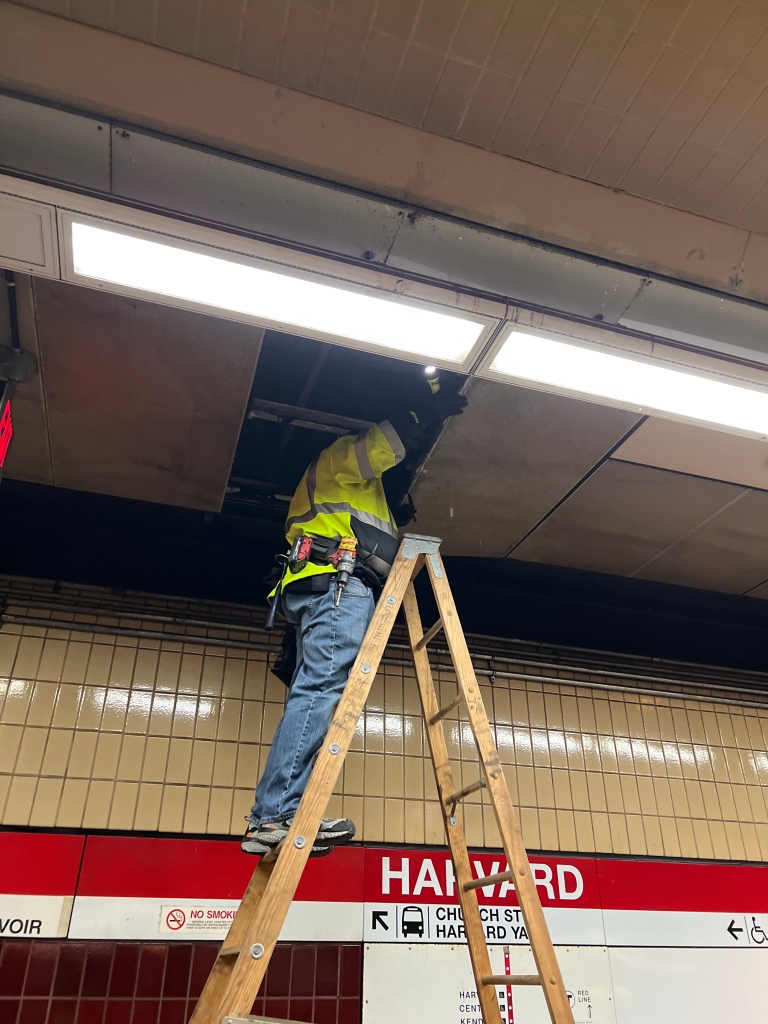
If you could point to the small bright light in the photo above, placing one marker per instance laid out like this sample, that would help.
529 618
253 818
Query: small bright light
649 387
430 370
269 296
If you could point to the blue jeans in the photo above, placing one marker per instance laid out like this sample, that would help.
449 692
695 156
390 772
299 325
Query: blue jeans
327 641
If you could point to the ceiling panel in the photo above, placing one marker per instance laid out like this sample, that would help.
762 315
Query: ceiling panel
143 401
622 516
686 448
503 464
729 553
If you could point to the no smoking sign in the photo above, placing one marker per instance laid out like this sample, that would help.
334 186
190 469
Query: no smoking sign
175 919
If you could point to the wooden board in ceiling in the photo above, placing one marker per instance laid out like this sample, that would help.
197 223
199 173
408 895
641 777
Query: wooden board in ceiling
143 401
502 465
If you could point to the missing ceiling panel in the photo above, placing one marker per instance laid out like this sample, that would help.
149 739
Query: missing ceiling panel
143 401
698 451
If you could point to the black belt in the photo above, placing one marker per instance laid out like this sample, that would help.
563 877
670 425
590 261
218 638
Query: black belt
324 547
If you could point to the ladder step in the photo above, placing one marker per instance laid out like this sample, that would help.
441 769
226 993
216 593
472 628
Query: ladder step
447 709
230 951
512 979
480 883
257 1020
455 797
429 635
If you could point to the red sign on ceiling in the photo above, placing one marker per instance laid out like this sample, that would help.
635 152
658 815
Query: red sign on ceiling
6 430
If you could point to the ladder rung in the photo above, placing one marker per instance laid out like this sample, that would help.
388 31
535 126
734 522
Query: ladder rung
230 951
429 635
480 883
447 709
512 979
455 797
257 1020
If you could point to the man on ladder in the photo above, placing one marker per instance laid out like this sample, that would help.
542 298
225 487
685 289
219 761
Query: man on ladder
342 541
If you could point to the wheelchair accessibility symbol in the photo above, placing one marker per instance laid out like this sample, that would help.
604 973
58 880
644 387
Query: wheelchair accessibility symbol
757 934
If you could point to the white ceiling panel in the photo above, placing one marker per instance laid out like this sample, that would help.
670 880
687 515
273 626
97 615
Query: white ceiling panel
623 516
501 466
729 553
690 449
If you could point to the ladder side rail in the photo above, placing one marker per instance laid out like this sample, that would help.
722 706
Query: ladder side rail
263 927
478 949
514 848
222 967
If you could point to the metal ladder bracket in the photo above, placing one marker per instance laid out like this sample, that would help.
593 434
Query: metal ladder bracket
414 544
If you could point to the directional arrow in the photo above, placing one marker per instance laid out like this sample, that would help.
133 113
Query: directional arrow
378 917
733 929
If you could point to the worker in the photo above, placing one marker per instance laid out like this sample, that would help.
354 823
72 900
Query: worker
339 503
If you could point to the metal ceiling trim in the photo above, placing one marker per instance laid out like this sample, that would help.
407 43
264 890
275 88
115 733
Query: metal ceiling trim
246 200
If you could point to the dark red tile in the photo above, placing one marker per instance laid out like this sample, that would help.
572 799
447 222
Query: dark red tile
350 1011
98 966
279 972
124 966
327 971
69 969
301 1010
119 1011
325 1011
91 1011
13 967
303 971
173 1011
177 969
62 1011
351 970
276 1008
203 960
151 970
9 1010
33 1011
145 1011
41 968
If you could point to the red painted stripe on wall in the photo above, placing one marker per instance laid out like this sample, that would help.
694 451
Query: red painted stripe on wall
41 865
203 869
655 885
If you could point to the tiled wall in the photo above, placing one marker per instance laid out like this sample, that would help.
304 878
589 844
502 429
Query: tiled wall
121 732
51 982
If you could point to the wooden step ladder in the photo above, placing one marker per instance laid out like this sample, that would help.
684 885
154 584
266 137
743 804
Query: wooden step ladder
242 961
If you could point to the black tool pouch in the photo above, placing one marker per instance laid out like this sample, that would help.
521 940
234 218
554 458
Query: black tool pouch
284 664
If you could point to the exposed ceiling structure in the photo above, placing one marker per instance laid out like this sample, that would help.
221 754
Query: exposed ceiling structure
666 99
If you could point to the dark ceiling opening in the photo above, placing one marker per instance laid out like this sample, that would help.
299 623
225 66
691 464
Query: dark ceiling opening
342 383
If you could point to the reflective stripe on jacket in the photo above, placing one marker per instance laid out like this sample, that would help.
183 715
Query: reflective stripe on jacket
341 495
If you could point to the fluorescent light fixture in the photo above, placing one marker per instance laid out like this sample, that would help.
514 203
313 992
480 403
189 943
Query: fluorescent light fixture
631 382
273 298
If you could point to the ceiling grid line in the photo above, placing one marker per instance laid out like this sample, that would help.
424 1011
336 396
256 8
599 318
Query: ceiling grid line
572 490
690 533
589 103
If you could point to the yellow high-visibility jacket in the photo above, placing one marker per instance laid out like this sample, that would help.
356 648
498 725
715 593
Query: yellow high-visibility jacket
341 495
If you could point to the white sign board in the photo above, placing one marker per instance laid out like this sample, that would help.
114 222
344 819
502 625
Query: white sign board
433 984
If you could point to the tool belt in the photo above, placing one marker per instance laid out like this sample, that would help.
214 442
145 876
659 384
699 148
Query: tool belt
325 551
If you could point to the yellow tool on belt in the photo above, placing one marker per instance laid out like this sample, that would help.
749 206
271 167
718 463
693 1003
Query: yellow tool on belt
344 560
